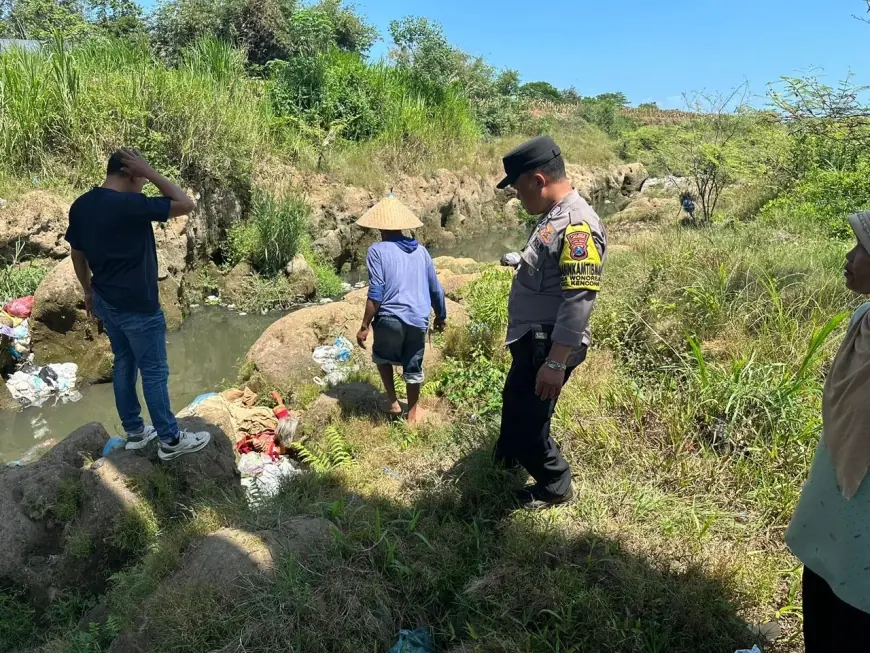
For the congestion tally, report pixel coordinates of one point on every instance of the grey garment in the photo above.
(537, 296)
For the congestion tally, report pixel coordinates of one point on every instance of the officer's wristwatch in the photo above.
(553, 365)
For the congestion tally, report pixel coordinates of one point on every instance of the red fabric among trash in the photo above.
(261, 443)
(20, 308)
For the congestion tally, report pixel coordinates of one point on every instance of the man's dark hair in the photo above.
(116, 164)
(554, 169)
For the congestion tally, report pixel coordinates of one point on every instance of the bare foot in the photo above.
(392, 409)
(416, 416)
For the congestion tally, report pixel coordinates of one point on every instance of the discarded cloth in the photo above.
(755, 649)
(246, 397)
(263, 443)
(244, 420)
(21, 307)
(334, 360)
(414, 641)
(33, 386)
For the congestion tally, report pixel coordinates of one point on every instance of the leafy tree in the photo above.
(648, 106)
(267, 29)
(541, 91)
(421, 48)
(40, 19)
(706, 147)
(117, 18)
(605, 111)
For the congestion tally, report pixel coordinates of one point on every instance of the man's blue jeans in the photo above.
(139, 345)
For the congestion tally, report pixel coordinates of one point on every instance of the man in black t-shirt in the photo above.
(115, 259)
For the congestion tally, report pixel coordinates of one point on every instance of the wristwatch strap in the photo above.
(553, 365)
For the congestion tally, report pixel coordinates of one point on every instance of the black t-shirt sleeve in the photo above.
(72, 236)
(147, 209)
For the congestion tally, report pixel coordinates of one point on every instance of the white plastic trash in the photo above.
(754, 649)
(39, 385)
(334, 360)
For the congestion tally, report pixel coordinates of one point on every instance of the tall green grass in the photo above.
(64, 108)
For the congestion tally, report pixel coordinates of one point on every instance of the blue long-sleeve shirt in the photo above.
(402, 280)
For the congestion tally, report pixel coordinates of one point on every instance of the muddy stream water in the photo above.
(204, 356)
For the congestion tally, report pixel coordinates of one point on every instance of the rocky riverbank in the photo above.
(453, 207)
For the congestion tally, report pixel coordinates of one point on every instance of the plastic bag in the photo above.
(414, 641)
(21, 307)
(333, 361)
(755, 649)
(112, 445)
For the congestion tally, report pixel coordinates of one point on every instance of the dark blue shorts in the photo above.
(400, 344)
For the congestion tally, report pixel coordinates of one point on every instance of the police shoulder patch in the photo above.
(580, 261)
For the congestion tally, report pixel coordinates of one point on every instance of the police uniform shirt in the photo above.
(559, 275)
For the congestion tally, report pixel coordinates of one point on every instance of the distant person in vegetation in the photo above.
(688, 204)
(830, 530)
(115, 258)
(553, 292)
(403, 288)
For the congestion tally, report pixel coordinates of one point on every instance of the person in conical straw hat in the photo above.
(403, 290)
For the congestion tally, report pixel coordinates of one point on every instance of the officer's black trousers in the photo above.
(525, 419)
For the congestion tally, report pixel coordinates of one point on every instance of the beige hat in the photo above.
(390, 215)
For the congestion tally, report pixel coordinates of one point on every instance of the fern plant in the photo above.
(336, 453)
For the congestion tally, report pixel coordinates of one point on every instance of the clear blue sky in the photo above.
(651, 51)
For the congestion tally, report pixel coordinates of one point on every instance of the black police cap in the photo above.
(528, 156)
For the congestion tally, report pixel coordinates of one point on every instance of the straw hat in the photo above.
(390, 215)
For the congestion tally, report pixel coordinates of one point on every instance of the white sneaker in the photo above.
(188, 442)
(141, 440)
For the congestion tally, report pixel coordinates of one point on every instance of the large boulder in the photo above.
(36, 503)
(61, 330)
(303, 281)
(174, 247)
(282, 355)
(36, 220)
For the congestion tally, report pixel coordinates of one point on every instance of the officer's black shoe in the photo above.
(537, 498)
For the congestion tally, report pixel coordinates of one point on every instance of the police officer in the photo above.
(558, 277)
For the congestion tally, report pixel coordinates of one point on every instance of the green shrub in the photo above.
(822, 200)
(329, 284)
(473, 385)
(18, 278)
(16, 620)
(272, 235)
(487, 301)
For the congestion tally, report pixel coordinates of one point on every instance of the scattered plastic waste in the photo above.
(113, 445)
(33, 454)
(414, 641)
(346, 287)
(326, 300)
(360, 284)
(262, 477)
(194, 305)
(20, 336)
(21, 307)
(242, 314)
(511, 259)
(754, 649)
(389, 472)
(3, 203)
(232, 307)
(33, 386)
(212, 300)
(334, 360)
